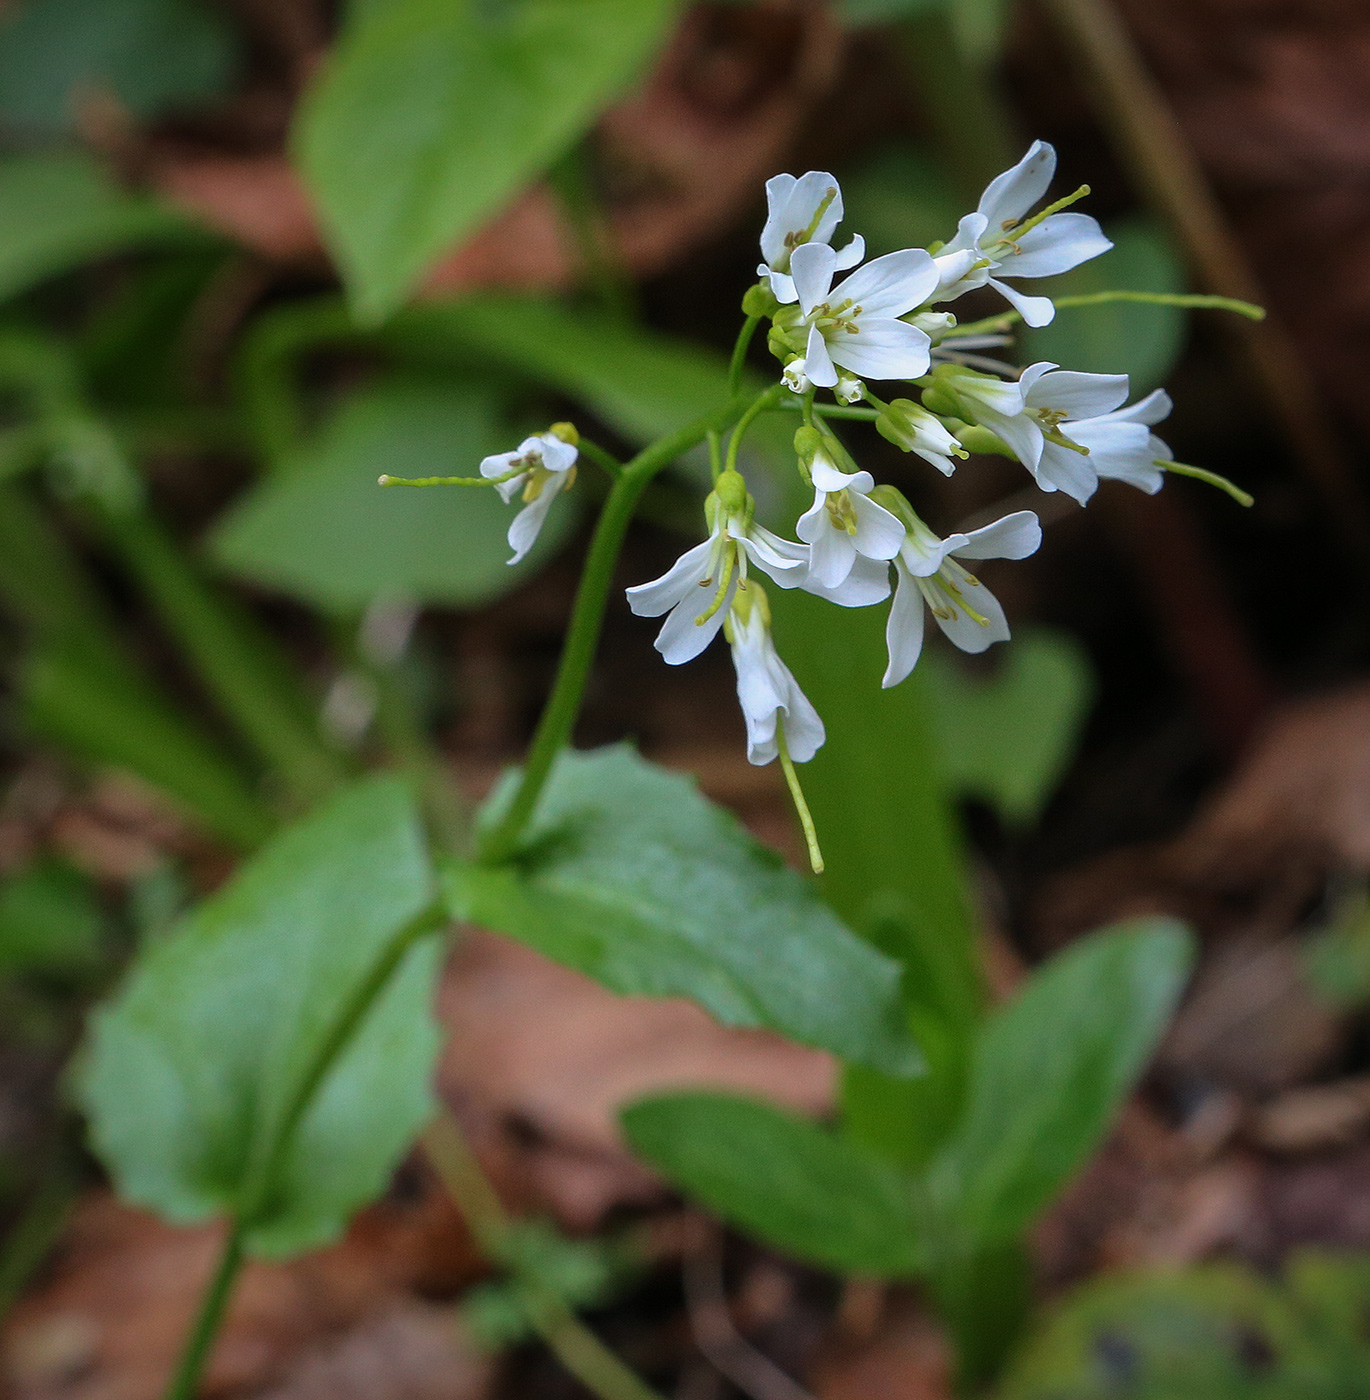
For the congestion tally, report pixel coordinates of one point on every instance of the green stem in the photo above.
(605, 461)
(573, 1344)
(587, 615)
(764, 400)
(1242, 498)
(1195, 301)
(212, 1308)
(739, 359)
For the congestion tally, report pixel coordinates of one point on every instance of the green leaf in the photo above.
(229, 1050)
(59, 211)
(629, 875)
(1008, 736)
(1051, 1070)
(1130, 338)
(152, 56)
(321, 529)
(50, 921)
(431, 113)
(800, 1187)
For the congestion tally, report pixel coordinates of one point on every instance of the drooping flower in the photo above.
(928, 572)
(700, 587)
(1122, 446)
(912, 428)
(856, 324)
(772, 703)
(799, 211)
(843, 523)
(542, 465)
(999, 240)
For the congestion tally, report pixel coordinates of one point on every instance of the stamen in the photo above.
(1020, 229)
(722, 593)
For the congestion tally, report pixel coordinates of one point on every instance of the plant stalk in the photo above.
(213, 1306)
(582, 637)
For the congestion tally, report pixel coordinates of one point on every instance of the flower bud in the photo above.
(912, 428)
(978, 439)
(849, 389)
(893, 501)
(566, 432)
(760, 300)
(731, 492)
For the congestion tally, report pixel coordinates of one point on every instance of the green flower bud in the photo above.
(566, 432)
(894, 501)
(731, 491)
(760, 300)
(978, 439)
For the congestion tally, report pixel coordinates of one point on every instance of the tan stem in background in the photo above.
(1153, 147)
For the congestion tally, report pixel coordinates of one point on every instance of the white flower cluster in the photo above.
(1069, 429)
(881, 322)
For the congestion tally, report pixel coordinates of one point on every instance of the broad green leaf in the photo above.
(1141, 341)
(50, 921)
(794, 1184)
(321, 529)
(895, 866)
(1052, 1068)
(628, 874)
(1007, 737)
(431, 113)
(59, 211)
(193, 1071)
(151, 56)
(642, 384)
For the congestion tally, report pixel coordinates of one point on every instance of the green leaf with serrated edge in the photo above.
(893, 851)
(191, 1071)
(321, 529)
(1006, 736)
(1051, 1070)
(430, 113)
(794, 1184)
(642, 384)
(150, 56)
(61, 210)
(1131, 338)
(628, 874)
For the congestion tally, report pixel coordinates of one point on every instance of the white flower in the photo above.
(549, 466)
(1122, 446)
(772, 702)
(856, 324)
(911, 427)
(843, 522)
(699, 588)
(804, 210)
(927, 571)
(985, 242)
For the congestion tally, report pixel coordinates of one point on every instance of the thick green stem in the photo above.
(739, 360)
(573, 1344)
(212, 1308)
(582, 637)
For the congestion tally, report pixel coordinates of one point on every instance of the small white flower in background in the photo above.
(912, 428)
(799, 211)
(700, 587)
(843, 523)
(772, 702)
(928, 572)
(856, 324)
(986, 244)
(548, 462)
(1122, 446)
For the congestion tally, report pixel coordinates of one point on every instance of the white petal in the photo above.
(831, 556)
(1009, 196)
(962, 629)
(818, 365)
(1056, 245)
(782, 285)
(509, 489)
(1060, 469)
(944, 464)
(826, 477)
(557, 456)
(500, 463)
(879, 534)
(891, 285)
(682, 638)
(868, 582)
(1020, 433)
(1030, 374)
(923, 552)
(851, 254)
(778, 190)
(969, 231)
(683, 577)
(812, 266)
(1036, 311)
(903, 629)
(1153, 409)
(1120, 450)
(1077, 393)
(523, 532)
(882, 349)
(1013, 537)
(814, 520)
(784, 561)
(804, 732)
